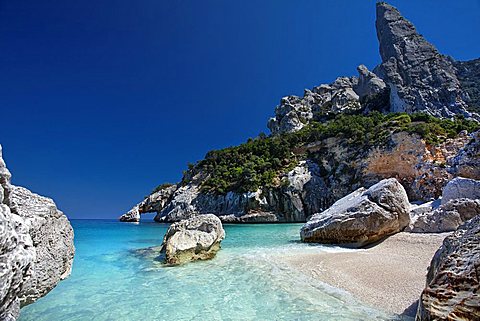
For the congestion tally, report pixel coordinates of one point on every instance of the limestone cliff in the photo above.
(321, 148)
(332, 168)
(36, 246)
(412, 77)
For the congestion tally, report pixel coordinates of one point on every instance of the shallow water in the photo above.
(112, 280)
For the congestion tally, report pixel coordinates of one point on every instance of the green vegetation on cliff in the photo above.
(260, 161)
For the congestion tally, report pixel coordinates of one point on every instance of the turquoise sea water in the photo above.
(112, 280)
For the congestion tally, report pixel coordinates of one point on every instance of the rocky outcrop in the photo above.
(468, 73)
(362, 217)
(460, 187)
(131, 216)
(197, 238)
(334, 169)
(466, 162)
(154, 202)
(17, 252)
(446, 218)
(419, 77)
(452, 289)
(52, 237)
(36, 246)
(344, 95)
(413, 77)
(298, 197)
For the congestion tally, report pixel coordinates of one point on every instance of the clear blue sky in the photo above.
(100, 101)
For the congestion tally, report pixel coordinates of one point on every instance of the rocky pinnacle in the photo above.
(419, 77)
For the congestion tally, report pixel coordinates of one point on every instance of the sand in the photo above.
(389, 276)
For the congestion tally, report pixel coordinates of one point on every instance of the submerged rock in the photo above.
(197, 238)
(452, 289)
(460, 187)
(362, 217)
(36, 246)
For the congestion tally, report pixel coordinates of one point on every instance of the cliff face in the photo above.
(36, 246)
(413, 77)
(334, 168)
(419, 77)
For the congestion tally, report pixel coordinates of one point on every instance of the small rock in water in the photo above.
(197, 238)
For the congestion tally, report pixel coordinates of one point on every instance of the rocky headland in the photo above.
(411, 118)
(395, 150)
(36, 246)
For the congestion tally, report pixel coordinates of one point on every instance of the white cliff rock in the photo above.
(52, 237)
(447, 217)
(467, 162)
(154, 202)
(460, 187)
(36, 246)
(17, 256)
(197, 238)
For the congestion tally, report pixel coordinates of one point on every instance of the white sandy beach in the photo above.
(389, 276)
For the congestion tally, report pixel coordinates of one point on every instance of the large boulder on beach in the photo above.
(445, 218)
(36, 246)
(362, 217)
(452, 290)
(460, 187)
(197, 238)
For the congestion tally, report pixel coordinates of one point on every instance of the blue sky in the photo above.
(100, 101)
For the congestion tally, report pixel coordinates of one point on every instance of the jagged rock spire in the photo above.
(419, 77)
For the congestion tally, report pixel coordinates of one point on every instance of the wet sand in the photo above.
(389, 276)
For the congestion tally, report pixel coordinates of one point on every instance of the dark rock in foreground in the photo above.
(453, 282)
(197, 238)
(362, 217)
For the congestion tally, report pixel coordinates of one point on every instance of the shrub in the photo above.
(259, 161)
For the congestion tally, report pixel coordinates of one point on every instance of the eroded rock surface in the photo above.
(419, 77)
(446, 218)
(452, 289)
(460, 187)
(197, 238)
(154, 202)
(362, 217)
(52, 237)
(344, 95)
(36, 246)
(467, 161)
